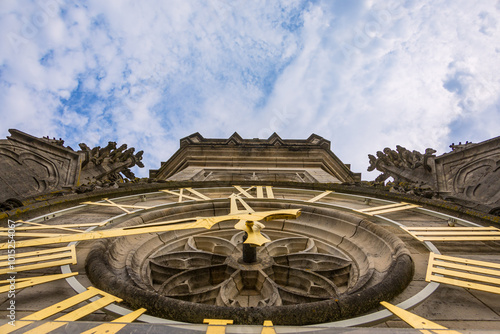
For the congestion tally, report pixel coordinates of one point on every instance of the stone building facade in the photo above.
(272, 159)
(263, 235)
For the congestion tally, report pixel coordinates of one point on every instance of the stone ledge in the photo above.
(51, 205)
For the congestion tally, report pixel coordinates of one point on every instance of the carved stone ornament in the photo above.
(468, 175)
(31, 166)
(236, 159)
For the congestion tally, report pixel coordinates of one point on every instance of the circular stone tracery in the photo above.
(209, 269)
(324, 266)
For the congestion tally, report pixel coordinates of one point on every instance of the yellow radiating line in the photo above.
(320, 196)
(37, 259)
(260, 192)
(67, 257)
(469, 238)
(197, 193)
(31, 281)
(467, 261)
(388, 206)
(244, 192)
(62, 305)
(130, 316)
(188, 223)
(453, 233)
(269, 191)
(58, 307)
(26, 228)
(447, 228)
(400, 208)
(74, 315)
(113, 327)
(33, 234)
(470, 279)
(120, 206)
(181, 194)
(45, 226)
(457, 233)
(117, 205)
(268, 328)
(46, 327)
(89, 308)
(216, 326)
(39, 252)
(7, 328)
(412, 319)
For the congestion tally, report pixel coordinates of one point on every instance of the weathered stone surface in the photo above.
(31, 166)
(238, 159)
(108, 164)
(301, 277)
(472, 174)
(469, 174)
(375, 259)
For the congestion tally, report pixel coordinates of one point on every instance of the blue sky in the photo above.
(363, 74)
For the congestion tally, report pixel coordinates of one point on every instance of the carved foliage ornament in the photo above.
(109, 163)
(404, 165)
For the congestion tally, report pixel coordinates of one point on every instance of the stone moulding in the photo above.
(31, 165)
(114, 272)
(235, 154)
(472, 174)
(50, 204)
(468, 175)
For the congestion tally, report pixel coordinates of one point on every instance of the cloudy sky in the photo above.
(363, 74)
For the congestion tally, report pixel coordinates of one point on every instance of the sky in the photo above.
(363, 74)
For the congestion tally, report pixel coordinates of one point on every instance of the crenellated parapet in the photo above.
(272, 159)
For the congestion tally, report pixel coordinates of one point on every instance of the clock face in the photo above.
(331, 263)
(321, 266)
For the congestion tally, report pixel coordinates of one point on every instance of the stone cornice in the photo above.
(236, 151)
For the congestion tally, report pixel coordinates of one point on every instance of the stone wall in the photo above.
(468, 175)
(238, 159)
(30, 165)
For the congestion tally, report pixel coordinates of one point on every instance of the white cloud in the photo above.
(363, 74)
(389, 90)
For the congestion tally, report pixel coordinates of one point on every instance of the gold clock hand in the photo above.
(254, 237)
(250, 224)
(180, 224)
